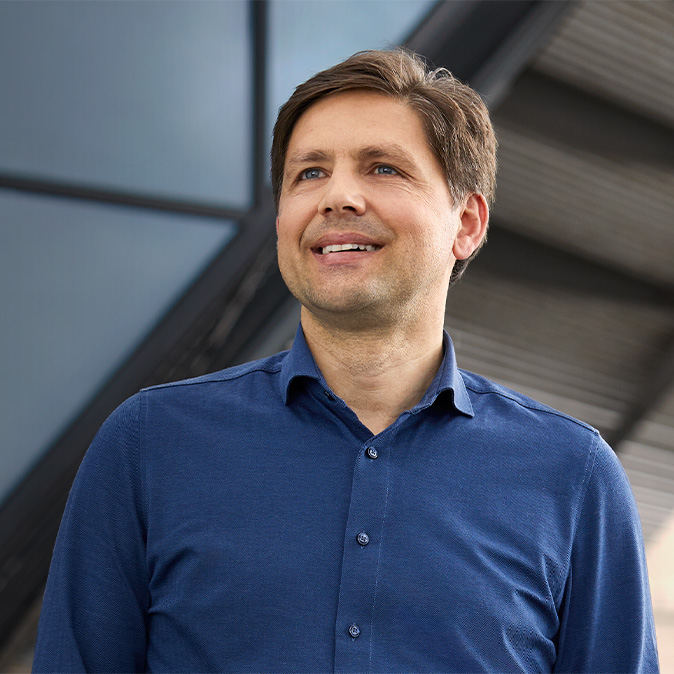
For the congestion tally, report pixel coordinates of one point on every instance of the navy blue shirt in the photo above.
(246, 521)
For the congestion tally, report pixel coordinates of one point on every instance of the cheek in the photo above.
(288, 234)
(284, 253)
(282, 236)
(293, 219)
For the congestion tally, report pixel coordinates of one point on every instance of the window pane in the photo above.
(147, 97)
(80, 286)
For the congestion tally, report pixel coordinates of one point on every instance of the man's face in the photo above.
(366, 224)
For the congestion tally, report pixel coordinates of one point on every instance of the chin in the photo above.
(356, 313)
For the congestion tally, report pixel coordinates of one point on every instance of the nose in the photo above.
(343, 195)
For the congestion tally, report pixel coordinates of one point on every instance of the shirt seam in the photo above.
(535, 408)
(585, 483)
(145, 505)
(231, 377)
(142, 460)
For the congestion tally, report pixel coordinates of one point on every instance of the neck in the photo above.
(379, 373)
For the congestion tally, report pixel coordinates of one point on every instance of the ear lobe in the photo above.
(474, 220)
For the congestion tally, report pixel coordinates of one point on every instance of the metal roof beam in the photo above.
(547, 108)
(658, 381)
(486, 43)
(522, 258)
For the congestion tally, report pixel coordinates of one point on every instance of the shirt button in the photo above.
(354, 631)
(371, 452)
(363, 538)
(328, 395)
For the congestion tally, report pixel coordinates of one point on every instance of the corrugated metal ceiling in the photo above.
(610, 211)
(623, 51)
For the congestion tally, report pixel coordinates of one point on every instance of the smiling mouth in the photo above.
(339, 247)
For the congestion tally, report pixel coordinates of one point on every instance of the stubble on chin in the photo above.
(356, 308)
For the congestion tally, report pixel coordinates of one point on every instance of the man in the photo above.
(357, 504)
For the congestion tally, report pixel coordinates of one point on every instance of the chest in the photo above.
(442, 563)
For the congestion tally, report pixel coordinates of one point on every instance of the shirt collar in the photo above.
(300, 363)
(448, 378)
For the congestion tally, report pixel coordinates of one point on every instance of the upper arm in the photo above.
(95, 604)
(606, 615)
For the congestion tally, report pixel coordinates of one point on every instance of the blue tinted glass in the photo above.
(80, 285)
(307, 36)
(141, 96)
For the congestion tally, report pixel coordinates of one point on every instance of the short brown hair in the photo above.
(456, 120)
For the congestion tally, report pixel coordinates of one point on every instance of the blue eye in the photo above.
(311, 174)
(385, 170)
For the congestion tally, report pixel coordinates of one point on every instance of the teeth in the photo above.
(337, 247)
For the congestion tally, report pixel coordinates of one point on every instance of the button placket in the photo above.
(360, 561)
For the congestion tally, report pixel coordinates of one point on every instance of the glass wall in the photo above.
(81, 284)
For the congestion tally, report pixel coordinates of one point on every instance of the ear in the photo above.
(474, 215)
(276, 225)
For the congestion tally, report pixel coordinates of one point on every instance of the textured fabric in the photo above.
(214, 527)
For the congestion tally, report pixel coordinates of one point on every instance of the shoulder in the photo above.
(237, 390)
(565, 456)
(255, 381)
(533, 434)
(495, 399)
(265, 368)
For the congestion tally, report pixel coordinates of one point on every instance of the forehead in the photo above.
(338, 122)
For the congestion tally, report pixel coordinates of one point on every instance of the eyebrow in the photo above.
(302, 158)
(391, 151)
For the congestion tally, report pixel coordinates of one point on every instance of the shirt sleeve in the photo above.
(606, 615)
(95, 604)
